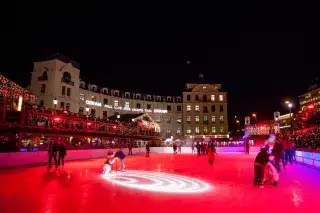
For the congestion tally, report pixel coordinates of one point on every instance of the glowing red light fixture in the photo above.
(310, 106)
(89, 124)
(56, 119)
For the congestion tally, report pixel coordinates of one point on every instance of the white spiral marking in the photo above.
(157, 181)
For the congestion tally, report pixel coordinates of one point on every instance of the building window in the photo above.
(43, 88)
(68, 106)
(179, 108)
(81, 96)
(196, 108)
(221, 129)
(105, 114)
(168, 130)
(221, 108)
(41, 102)
(138, 105)
(105, 101)
(179, 120)
(221, 119)
(188, 131)
(220, 97)
(205, 119)
(197, 119)
(81, 110)
(197, 130)
(212, 97)
(158, 119)
(68, 91)
(188, 98)
(188, 108)
(93, 112)
(116, 103)
(189, 119)
(169, 108)
(213, 129)
(148, 106)
(63, 90)
(61, 105)
(169, 120)
(205, 109)
(178, 131)
(213, 108)
(127, 105)
(204, 98)
(197, 98)
(213, 119)
(94, 98)
(205, 130)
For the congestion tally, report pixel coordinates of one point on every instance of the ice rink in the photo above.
(162, 183)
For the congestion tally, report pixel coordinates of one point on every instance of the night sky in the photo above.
(261, 53)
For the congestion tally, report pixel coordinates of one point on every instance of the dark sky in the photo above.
(261, 53)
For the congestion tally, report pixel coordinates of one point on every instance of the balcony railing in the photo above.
(67, 81)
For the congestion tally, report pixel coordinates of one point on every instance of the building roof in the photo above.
(58, 56)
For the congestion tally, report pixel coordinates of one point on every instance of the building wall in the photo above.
(170, 112)
(310, 97)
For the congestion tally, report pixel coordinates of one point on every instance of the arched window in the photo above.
(197, 98)
(66, 76)
(45, 75)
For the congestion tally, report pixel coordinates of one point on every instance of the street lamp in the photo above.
(55, 102)
(255, 117)
(290, 106)
(118, 116)
(237, 121)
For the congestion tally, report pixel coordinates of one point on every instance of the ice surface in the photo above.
(81, 189)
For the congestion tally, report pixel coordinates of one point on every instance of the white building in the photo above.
(59, 77)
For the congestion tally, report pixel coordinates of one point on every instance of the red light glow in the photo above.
(89, 124)
(311, 106)
(56, 119)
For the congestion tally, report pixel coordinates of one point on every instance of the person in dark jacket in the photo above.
(130, 148)
(147, 150)
(259, 163)
(52, 153)
(278, 153)
(174, 146)
(119, 154)
(62, 154)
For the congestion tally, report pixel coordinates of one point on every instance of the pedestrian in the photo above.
(247, 147)
(119, 154)
(174, 146)
(130, 148)
(147, 150)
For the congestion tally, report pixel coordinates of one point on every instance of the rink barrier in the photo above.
(308, 158)
(14, 159)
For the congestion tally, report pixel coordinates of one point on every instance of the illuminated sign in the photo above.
(93, 103)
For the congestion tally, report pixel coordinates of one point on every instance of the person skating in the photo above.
(119, 154)
(270, 174)
(278, 153)
(174, 146)
(259, 164)
(62, 154)
(147, 150)
(130, 148)
(107, 167)
(198, 147)
(52, 153)
(211, 152)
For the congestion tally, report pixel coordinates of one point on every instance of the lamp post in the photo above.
(255, 117)
(87, 110)
(290, 106)
(55, 102)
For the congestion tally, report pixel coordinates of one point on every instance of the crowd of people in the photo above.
(309, 138)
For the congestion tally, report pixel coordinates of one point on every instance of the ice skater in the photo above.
(62, 154)
(107, 167)
(271, 175)
(147, 150)
(211, 152)
(174, 146)
(119, 154)
(259, 164)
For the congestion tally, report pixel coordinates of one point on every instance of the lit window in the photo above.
(221, 129)
(205, 129)
(197, 129)
(127, 105)
(189, 131)
(212, 97)
(221, 118)
(168, 130)
(116, 103)
(158, 119)
(81, 96)
(213, 129)
(93, 98)
(188, 118)
(213, 119)
(204, 87)
(220, 97)
(196, 108)
(188, 108)
(205, 118)
(197, 118)
(178, 131)
(178, 120)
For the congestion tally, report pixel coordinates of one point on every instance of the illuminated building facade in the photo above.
(205, 112)
(310, 98)
(59, 77)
